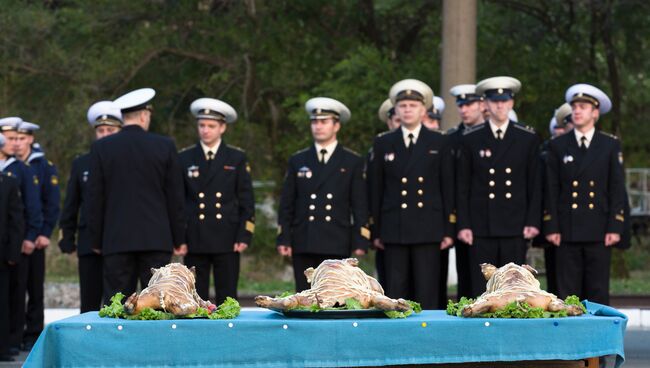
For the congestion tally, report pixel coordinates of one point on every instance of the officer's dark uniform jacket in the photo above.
(73, 224)
(412, 197)
(499, 186)
(12, 221)
(49, 188)
(324, 208)
(28, 183)
(585, 194)
(135, 193)
(219, 201)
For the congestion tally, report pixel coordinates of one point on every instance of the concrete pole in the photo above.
(458, 52)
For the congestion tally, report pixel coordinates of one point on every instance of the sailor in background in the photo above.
(470, 106)
(135, 198)
(30, 152)
(219, 201)
(323, 210)
(12, 226)
(412, 197)
(30, 193)
(499, 185)
(106, 119)
(585, 198)
(433, 117)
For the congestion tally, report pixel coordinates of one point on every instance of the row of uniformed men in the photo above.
(24, 162)
(482, 186)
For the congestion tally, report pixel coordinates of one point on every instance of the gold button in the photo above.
(404, 205)
(508, 170)
(575, 194)
(311, 218)
(591, 206)
(591, 183)
(420, 191)
(328, 219)
(218, 194)
(508, 183)
(313, 196)
(575, 183)
(491, 196)
(404, 193)
(312, 207)
(201, 216)
(592, 194)
(508, 195)
(420, 179)
(329, 196)
(574, 206)
(201, 195)
(218, 216)
(420, 204)
(491, 171)
(201, 205)
(218, 205)
(328, 207)
(491, 183)
(404, 180)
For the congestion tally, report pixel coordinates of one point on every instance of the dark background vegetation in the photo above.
(267, 57)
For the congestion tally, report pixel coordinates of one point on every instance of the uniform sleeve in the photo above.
(175, 196)
(534, 185)
(32, 198)
(15, 222)
(551, 192)
(286, 211)
(68, 221)
(359, 206)
(51, 200)
(96, 199)
(463, 182)
(617, 194)
(448, 189)
(375, 178)
(246, 200)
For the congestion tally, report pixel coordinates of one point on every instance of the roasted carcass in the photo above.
(332, 282)
(171, 289)
(514, 283)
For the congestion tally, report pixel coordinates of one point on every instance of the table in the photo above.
(263, 338)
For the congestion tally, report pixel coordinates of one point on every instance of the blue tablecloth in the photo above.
(268, 339)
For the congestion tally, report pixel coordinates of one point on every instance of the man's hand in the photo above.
(446, 242)
(181, 250)
(96, 250)
(554, 238)
(612, 239)
(28, 247)
(284, 250)
(359, 252)
(239, 247)
(530, 232)
(378, 244)
(42, 242)
(466, 236)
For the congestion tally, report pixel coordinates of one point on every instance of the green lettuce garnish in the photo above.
(514, 309)
(228, 310)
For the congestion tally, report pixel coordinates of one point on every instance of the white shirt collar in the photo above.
(329, 148)
(589, 135)
(213, 149)
(415, 132)
(503, 128)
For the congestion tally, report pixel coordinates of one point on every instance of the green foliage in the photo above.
(115, 309)
(515, 309)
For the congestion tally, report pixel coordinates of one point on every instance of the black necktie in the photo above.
(583, 143)
(499, 131)
(323, 152)
(411, 142)
(210, 157)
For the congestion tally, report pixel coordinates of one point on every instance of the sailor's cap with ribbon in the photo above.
(27, 127)
(465, 94)
(588, 93)
(498, 88)
(411, 89)
(104, 113)
(325, 107)
(136, 100)
(10, 123)
(386, 110)
(435, 112)
(563, 114)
